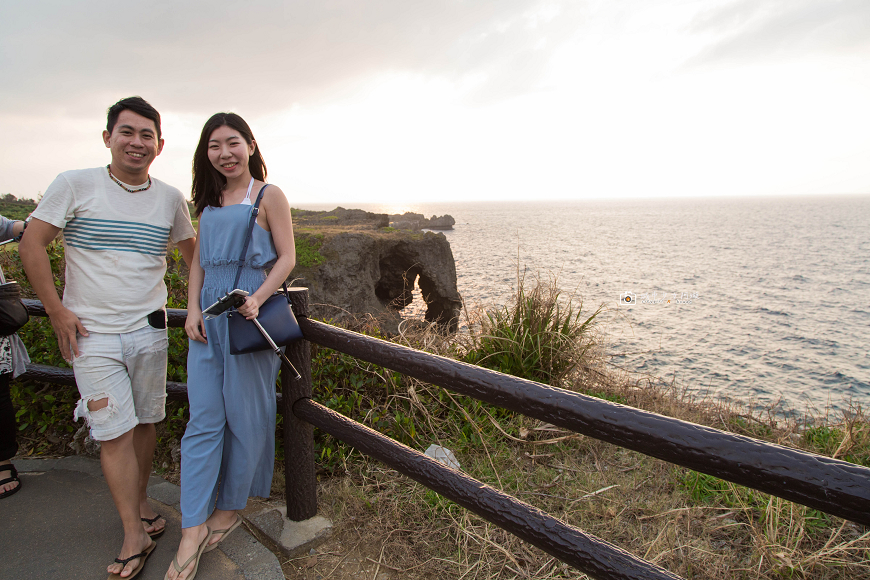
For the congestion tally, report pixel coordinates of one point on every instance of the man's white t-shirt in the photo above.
(115, 244)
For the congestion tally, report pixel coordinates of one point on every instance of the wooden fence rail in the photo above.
(830, 485)
(571, 545)
(836, 487)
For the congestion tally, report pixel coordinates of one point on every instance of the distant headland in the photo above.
(417, 221)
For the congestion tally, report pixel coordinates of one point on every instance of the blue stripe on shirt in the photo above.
(109, 235)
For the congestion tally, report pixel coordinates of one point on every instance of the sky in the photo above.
(402, 101)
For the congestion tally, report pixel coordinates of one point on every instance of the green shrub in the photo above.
(308, 250)
(10, 261)
(176, 280)
(43, 407)
(16, 209)
(540, 336)
(362, 391)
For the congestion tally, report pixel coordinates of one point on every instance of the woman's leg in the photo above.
(249, 440)
(8, 430)
(249, 443)
(201, 451)
(203, 442)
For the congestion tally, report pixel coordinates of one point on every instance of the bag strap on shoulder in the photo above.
(255, 210)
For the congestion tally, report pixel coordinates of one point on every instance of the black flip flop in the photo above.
(143, 556)
(156, 533)
(13, 476)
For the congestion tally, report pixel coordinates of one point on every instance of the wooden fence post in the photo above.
(300, 479)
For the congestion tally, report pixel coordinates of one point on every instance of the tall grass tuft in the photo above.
(541, 335)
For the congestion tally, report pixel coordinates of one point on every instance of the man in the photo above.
(111, 325)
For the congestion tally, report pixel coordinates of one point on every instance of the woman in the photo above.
(13, 358)
(228, 449)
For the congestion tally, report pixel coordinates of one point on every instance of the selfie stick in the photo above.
(277, 350)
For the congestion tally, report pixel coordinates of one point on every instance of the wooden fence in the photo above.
(830, 485)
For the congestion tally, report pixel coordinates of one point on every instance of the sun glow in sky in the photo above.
(403, 101)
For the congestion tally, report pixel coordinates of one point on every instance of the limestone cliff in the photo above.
(352, 266)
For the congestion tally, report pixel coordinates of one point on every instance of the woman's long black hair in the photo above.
(208, 182)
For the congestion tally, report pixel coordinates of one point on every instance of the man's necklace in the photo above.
(124, 187)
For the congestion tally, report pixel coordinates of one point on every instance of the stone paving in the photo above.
(63, 525)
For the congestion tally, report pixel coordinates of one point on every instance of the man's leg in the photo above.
(107, 405)
(144, 442)
(146, 364)
(121, 470)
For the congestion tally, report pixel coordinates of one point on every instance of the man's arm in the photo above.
(36, 264)
(186, 249)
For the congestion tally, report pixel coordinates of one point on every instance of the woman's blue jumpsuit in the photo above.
(229, 445)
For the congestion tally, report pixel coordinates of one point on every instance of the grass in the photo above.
(308, 250)
(540, 336)
(695, 525)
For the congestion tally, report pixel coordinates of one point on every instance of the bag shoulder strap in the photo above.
(255, 210)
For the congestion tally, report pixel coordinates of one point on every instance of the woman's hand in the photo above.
(251, 308)
(194, 326)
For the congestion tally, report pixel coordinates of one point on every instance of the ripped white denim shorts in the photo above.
(130, 370)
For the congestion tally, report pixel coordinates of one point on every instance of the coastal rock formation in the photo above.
(444, 222)
(374, 273)
(417, 221)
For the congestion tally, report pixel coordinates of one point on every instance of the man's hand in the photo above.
(65, 325)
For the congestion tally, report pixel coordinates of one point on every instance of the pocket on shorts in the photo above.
(158, 340)
(84, 346)
(157, 410)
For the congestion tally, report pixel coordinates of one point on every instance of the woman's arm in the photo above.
(10, 229)
(275, 209)
(194, 326)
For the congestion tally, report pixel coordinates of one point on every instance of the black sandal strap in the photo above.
(127, 560)
(152, 520)
(9, 480)
(10, 468)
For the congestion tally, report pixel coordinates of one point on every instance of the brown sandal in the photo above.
(225, 533)
(179, 568)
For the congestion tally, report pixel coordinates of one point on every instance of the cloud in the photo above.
(266, 54)
(758, 30)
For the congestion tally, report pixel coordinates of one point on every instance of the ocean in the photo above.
(763, 300)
